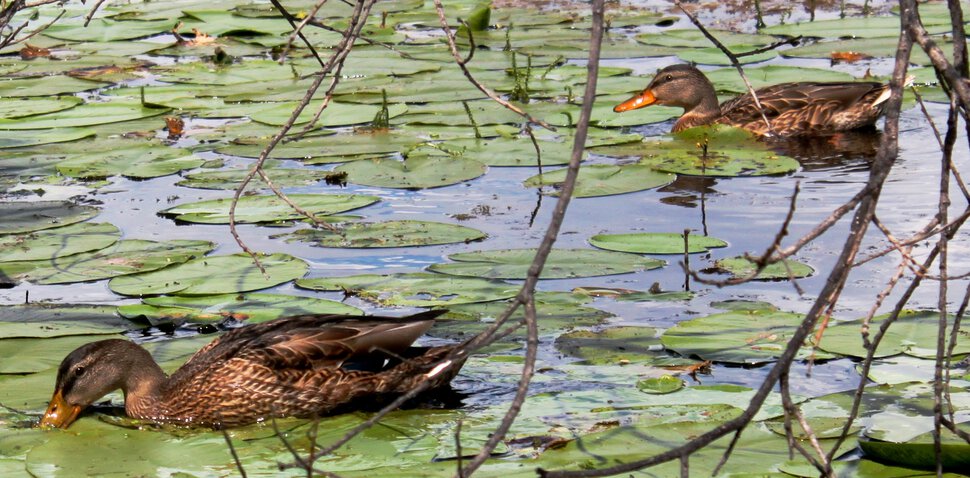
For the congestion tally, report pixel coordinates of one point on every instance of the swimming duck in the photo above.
(793, 109)
(301, 366)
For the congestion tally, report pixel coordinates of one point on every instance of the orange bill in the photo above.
(59, 413)
(639, 101)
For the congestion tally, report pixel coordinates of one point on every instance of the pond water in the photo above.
(746, 212)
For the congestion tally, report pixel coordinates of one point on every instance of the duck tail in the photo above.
(886, 91)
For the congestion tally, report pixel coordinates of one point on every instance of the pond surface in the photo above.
(569, 398)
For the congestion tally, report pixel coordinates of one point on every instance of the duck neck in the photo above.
(143, 386)
(702, 112)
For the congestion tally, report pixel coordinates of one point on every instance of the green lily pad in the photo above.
(516, 151)
(714, 56)
(882, 47)
(552, 317)
(84, 115)
(11, 108)
(266, 209)
(124, 257)
(693, 38)
(17, 139)
(58, 320)
(328, 149)
(213, 275)
(130, 158)
(906, 369)
(107, 30)
(561, 264)
(251, 308)
(415, 290)
(230, 178)
(412, 173)
(32, 355)
(57, 242)
(223, 23)
(389, 234)
(20, 217)
(784, 270)
(656, 242)
(46, 86)
(336, 114)
(730, 152)
(954, 455)
(913, 333)
(729, 81)
(660, 385)
(743, 336)
(616, 346)
(857, 27)
(631, 295)
(605, 180)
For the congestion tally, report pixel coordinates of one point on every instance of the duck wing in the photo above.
(809, 106)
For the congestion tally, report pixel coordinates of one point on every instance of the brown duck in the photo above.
(301, 366)
(793, 109)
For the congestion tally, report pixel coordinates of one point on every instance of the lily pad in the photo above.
(46, 86)
(660, 385)
(389, 234)
(853, 27)
(913, 333)
(616, 346)
(516, 151)
(106, 30)
(251, 308)
(267, 208)
(58, 320)
(412, 173)
(336, 114)
(415, 290)
(17, 139)
(328, 149)
(784, 270)
(552, 317)
(84, 115)
(561, 264)
(11, 108)
(656, 242)
(57, 242)
(19, 217)
(742, 336)
(605, 180)
(213, 275)
(131, 158)
(693, 38)
(32, 355)
(124, 257)
(230, 178)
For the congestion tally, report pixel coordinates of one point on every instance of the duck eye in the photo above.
(668, 78)
(78, 371)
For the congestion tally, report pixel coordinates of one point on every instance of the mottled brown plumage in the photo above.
(792, 109)
(299, 366)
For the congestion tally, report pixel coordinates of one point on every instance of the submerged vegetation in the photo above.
(170, 171)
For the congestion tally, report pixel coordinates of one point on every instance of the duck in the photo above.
(299, 366)
(792, 109)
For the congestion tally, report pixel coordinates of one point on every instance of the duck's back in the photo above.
(298, 366)
(808, 108)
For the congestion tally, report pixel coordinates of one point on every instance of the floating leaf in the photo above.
(124, 257)
(266, 209)
(57, 242)
(329, 149)
(954, 456)
(19, 107)
(130, 158)
(19, 217)
(913, 333)
(106, 30)
(728, 79)
(605, 180)
(251, 308)
(336, 114)
(230, 178)
(45, 86)
(84, 115)
(412, 173)
(517, 151)
(660, 385)
(744, 336)
(693, 38)
(856, 27)
(616, 346)
(213, 275)
(561, 264)
(58, 320)
(633, 295)
(784, 270)
(389, 234)
(552, 317)
(17, 139)
(416, 290)
(656, 242)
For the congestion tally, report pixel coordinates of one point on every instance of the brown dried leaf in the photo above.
(29, 52)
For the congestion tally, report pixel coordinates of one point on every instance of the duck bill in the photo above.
(639, 101)
(59, 413)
